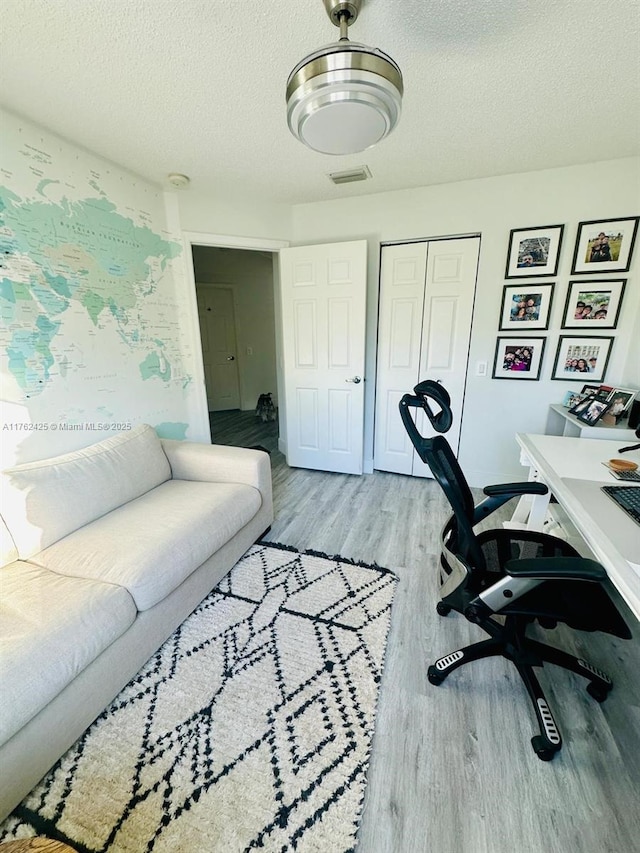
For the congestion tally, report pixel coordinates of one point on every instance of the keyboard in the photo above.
(627, 498)
(630, 476)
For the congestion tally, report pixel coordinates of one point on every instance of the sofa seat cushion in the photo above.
(44, 501)
(51, 628)
(150, 545)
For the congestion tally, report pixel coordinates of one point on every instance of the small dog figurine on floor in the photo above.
(265, 410)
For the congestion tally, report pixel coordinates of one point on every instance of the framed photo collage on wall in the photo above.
(590, 305)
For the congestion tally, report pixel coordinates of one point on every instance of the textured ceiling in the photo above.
(197, 86)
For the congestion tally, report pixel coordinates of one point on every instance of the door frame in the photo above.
(226, 241)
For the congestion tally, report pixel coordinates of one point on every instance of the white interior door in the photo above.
(440, 318)
(402, 278)
(323, 292)
(219, 351)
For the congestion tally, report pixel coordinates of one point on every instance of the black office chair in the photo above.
(519, 575)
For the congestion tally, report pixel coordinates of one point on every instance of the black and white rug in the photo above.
(249, 729)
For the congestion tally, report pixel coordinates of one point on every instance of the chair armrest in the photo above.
(556, 568)
(513, 489)
(217, 463)
(503, 492)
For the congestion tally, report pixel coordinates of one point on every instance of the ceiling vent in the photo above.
(360, 173)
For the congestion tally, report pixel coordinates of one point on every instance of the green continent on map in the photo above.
(172, 429)
(65, 260)
(155, 364)
(29, 355)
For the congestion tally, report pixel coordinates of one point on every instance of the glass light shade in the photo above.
(344, 98)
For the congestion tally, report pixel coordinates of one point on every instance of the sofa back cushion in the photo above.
(46, 500)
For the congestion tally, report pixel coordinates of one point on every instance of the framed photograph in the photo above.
(593, 411)
(579, 358)
(528, 307)
(518, 358)
(604, 245)
(590, 390)
(600, 391)
(580, 405)
(534, 252)
(621, 400)
(593, 305)
(572, 398)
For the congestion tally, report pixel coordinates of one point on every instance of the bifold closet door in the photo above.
(424, 326)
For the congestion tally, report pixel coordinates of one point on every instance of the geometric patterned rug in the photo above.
(250, 728)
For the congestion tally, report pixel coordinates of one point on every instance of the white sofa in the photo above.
(105, 551)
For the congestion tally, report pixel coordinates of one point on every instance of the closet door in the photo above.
(401, 309)
(443, 331)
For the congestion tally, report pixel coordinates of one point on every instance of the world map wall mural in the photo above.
(93, 334)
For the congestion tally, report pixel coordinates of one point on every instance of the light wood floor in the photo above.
(452, 769)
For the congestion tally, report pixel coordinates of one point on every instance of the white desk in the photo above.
(572, 469)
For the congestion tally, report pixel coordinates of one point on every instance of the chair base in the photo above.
(509, 641)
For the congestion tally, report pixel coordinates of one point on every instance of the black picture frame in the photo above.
(526, 307)
(598, 296)
(579, 348)
(508, 364)
(593, 411)
(621, 238)
(541, 244)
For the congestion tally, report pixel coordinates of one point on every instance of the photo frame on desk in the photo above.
(572, 398)
(593, 410)
(621, 400)
(579, 358)
(534, 251)
(604, 245)
(518, 358)
(593, 305)
(602, 392)
(527, 307)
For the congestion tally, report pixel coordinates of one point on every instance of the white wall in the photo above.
(494, 409)
(250, 277)
(234, 217)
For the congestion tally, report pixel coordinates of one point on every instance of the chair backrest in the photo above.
(436, 452)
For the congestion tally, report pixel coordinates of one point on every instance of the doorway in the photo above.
(235, 295)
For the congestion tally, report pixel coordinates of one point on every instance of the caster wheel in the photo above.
(434, 676)
(442, 609)
(541, 748)
(596, 692)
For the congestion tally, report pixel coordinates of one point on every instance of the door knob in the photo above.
(231, 358)
(355, 379)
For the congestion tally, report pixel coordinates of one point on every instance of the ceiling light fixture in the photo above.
(344, 97)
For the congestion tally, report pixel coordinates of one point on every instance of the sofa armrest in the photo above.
(217, 463)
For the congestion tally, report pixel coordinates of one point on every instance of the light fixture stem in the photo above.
(344, 16)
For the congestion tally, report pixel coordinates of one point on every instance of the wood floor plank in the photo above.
(452, 769)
